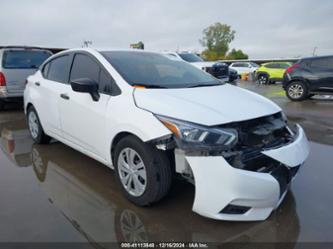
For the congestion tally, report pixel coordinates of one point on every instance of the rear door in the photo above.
(54, 81)
(18, 64)
(83, 120)
(283, 68)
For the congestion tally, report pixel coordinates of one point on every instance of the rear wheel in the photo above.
(297, 91)
(143, 171)
(2, 105)
(263, 79)
(35, 127)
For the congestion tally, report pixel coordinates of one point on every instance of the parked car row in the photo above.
(218, 69)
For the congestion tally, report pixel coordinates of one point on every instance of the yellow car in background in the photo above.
(271, 72)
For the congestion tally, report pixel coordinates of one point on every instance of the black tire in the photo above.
(39, 135)
(263, 79)
(2, 105)
(297, 91)
(157, 167)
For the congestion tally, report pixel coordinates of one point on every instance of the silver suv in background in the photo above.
(16, 64)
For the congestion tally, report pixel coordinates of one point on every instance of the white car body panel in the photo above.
(91, 127)
(213, 105)
(218, 184)
(241, 70)
(293, 154)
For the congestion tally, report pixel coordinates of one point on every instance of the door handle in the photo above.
(37, 83)
(64, 96)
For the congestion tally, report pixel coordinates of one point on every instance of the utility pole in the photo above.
(86, 43)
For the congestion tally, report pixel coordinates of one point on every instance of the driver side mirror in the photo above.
(86, 85)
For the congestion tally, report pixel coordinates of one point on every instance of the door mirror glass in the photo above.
(86, 85)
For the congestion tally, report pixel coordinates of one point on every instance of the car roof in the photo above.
(22, 47)
(101, 50)
(278, 62)
(317, 57)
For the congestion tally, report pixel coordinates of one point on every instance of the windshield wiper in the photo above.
(203, 85)
(152, 86)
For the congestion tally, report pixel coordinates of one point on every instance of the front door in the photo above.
(83, 120)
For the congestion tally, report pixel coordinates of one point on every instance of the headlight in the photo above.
(193, 136)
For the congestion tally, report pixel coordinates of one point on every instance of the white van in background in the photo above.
(16, 64)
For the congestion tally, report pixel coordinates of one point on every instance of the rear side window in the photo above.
(326, 63)
(284, 65)
(58, 69)
(272, 65)
(24, 59)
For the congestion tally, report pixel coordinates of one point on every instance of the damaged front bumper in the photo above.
(224, 192)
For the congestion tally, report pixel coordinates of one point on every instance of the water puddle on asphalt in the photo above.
(54, 193)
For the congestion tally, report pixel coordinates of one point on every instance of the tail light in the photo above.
(2, 79)
(292, 68)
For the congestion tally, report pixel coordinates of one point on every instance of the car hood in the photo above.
(212, 105)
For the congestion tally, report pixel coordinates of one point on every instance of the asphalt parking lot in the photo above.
(54, 193)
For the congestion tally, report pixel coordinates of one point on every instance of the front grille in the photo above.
(234, 209)
(264, 133)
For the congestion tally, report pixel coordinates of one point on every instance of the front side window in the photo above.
(157, 71)
(24, 59)
(85, 67)
(57, 69)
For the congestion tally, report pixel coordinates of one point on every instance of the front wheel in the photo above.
(297, 91)
(35, 127)
(143, 171)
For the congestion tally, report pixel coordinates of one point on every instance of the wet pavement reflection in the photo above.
(54, 193)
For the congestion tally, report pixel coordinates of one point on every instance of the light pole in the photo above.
(314, 51)
(86, 44)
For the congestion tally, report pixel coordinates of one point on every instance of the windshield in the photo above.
(190, 57)
(157, 71)
(20, 59)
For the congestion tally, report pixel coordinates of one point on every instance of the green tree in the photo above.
(237, 55)
(216, 40)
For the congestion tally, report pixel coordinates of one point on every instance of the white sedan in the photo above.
(244, 67)
(149, 118)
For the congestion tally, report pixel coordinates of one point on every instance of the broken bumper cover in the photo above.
(220, 186)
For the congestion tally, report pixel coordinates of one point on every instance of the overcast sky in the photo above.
(264, 28)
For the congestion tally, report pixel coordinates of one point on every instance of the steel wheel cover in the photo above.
(132, 172)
